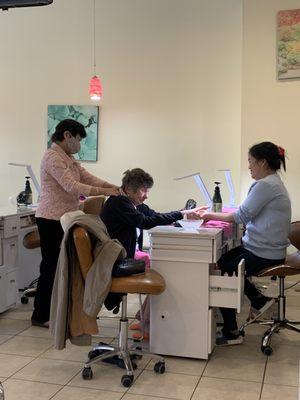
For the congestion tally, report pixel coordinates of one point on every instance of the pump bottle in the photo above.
(217, 199)
(28, 191)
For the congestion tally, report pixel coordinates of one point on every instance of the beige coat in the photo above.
(75, 303)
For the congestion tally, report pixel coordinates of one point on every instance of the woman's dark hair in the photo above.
(70, 125)
(136, 178)
(274, 155)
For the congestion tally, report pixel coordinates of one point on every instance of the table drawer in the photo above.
(227, 291)
(11, 226)
(182, 253)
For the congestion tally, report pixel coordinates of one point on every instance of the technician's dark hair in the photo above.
(69, 125)
(273, 154)
(136, 178)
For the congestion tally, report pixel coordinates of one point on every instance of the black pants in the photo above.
(228, 263)
(51, 234)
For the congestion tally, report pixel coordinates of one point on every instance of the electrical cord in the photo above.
(289, 287)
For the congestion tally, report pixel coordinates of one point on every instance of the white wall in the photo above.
(171, 72)
(270, 108)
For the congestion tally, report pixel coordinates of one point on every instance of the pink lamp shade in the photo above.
(95, 89)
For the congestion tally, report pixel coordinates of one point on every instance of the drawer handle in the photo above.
(12, 281)
(220, 289)
(13, 227)
(12, 245)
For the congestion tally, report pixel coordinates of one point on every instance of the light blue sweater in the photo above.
(266, 213)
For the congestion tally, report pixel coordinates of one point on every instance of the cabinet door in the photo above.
(2, 289)
(11, 288)
(10, 249)
(1, 252)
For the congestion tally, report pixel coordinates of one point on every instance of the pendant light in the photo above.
(95, 89)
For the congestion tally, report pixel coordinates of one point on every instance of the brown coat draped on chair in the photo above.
(76, 302)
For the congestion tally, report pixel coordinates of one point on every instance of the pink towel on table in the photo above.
(225, 226)
(142, 255)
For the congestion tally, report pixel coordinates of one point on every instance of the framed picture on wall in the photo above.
(88, 116)
(288, 44)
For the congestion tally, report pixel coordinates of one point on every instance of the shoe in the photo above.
(140, 336)
(40, 324)
(135, 327)
(256, 313)
(228, 340)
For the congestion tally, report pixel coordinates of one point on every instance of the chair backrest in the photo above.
(93, 205)
(294, 235)
(84, 249)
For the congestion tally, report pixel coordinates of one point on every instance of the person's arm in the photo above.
(92, 180)
(212, 216)
(60, 171)
(143, 218)
(260, 194)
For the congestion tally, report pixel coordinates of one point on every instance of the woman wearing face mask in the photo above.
(63, 180)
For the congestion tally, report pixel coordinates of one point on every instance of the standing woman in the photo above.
(266, 214)
(63, 180)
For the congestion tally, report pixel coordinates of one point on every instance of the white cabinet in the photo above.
(8, 288)
(12, 223)
(183, 311)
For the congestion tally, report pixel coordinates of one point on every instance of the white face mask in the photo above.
(73, 145)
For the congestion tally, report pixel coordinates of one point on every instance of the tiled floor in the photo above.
(31, 369)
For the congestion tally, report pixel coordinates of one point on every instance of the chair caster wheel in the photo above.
(159, 367)
(267, 350)
(87, 373)
(93, 354)
(24, 300)
(242, 332)
(127, 380)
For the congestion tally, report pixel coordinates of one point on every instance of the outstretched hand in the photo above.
(195, 213)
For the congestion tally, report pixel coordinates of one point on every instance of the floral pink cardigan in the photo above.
(63, 180)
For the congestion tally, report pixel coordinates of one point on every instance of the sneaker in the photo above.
(255, 313)
(228, 340)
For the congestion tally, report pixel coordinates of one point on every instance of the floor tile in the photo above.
(276, 392)
(75, 393)
(36, 331)
(180, 365)
(283, 353)
(9, 364)
(109, 322)
(249, 350)
(17, 313)
(105, 377)
(13, 326)
(4, 338)
(49, 371)
(224, 389)
(230, 368)
(70, 353)
(282, 374)
(24, 390)
(175, 386)
(129, 396)
(25, 346)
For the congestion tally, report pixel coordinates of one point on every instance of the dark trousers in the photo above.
(228, 263)
(51, 234)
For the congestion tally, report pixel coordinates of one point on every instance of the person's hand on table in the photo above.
(194, 213)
